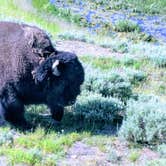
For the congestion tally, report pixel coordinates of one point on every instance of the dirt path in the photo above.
(82, 48)
(81, 154)
(119, 153)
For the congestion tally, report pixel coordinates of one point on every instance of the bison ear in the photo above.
(55, 70)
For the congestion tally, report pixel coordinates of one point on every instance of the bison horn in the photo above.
(55, 70)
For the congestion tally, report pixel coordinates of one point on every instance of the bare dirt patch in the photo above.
(82, 48)
(81, 154)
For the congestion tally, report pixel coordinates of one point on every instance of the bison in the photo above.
(34, 72)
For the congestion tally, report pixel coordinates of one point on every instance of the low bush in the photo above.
(73, 36)
(108, 84)
(156, 162)
(126, 26)
(94, 107)
(133, 61)
(135, 76)
(121, 47)
(158, 60)
(162, 150)
(145, 121)
(6, 137)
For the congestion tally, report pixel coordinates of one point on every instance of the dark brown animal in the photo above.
(25, 79)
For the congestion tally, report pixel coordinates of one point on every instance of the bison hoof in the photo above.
(3, 123)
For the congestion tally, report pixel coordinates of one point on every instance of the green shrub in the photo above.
(134, 156)
(108, 84)
(121, 47)
(162, 150)
(20, 156)
(36, 109)
(132, 60)
(145, 121)
(113, 157)
(73, 36)
(135, 76)
(94, 107)
(156, 162)
(126, 26)
(158, 60)
(6, 137)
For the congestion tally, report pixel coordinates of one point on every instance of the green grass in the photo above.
(9, 10)
(126, 26)
(45, 6)
(107, 63)
(34, 148)
(100, 62)
(17, 156)
(139, 6)
(157, 162)
(146, 6)
(134, 155)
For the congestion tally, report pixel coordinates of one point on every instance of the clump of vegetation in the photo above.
(6, 137)
(113, 157)
(75, 36)
(108, 84)
(134, 155)
(135, 76)
(157, 162)
(94, 107)
(158, 60)
(126, 26)
(64, 13)
(104, 63)
(17, 156)
(145, 121)
(162, 150)
(121, 47)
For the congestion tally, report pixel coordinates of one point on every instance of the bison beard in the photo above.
(26, 80)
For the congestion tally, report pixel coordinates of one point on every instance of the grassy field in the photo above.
(10, 11)
(128, 86)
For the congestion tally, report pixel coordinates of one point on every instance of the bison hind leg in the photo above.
(13, 110)
(2, 118)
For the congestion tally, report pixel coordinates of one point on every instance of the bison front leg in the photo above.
(57, 112)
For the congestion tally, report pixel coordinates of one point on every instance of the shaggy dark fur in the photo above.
(24, 80)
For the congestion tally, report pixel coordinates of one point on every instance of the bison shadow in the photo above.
(71, 123)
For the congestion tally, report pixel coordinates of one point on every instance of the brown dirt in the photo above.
(82, 48)
(81, 154)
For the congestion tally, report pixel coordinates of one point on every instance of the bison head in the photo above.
(61, 76)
